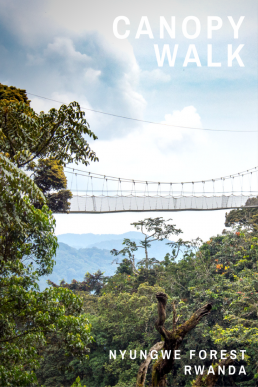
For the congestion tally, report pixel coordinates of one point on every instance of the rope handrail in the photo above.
(108, 194)
(99, 176)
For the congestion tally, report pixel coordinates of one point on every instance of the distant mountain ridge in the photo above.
(74, 264)
(108, 242)
(79, 253)
(85, 240)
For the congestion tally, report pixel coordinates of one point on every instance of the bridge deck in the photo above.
(111, 204)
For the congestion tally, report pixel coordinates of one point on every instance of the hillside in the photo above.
(73, 264)
(90, 252)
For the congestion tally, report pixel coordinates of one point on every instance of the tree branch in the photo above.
(175, 319)
(159, 324)
(172, 339)
(141, 376)
(43, 146)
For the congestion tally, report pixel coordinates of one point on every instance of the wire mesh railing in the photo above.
(104, 194)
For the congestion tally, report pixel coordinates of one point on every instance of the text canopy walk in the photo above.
(95, 193)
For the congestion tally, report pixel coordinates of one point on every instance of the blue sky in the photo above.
(67, 51)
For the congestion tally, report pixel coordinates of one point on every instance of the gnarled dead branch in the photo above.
(172, 340)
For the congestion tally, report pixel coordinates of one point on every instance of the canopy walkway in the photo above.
(107, 194)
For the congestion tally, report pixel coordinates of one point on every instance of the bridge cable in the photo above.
(149, 122)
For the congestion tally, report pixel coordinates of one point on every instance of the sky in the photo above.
(67, 51)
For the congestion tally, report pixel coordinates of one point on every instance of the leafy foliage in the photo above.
(30, 319)
(11, 93)
(244, 216)
(156, 229)
(92, 283)
(44, 142)
(49, 176)
(59, 134)
(26, 233)
(222, 271)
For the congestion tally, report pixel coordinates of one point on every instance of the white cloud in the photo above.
(155, 76)
(91, 75)
(176, 138)
(64, 48)
(120, 97)
(153, 152)
(90, 70)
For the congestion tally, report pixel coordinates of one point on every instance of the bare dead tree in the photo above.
(172, 341)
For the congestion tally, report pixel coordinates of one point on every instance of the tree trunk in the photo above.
(146, 254)
(141, 376)
(135, 272)
(172, 340)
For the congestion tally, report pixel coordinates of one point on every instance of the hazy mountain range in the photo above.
(81, 253)
(80, 241)
(158, 249)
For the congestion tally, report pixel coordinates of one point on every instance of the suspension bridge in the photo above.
(106, 194)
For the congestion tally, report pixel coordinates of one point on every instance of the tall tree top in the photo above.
(12, 93)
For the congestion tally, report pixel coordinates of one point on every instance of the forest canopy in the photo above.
(221, 272)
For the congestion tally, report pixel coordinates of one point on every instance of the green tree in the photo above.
(26, 136)
(49, 176)
(124, 267)
(236, 290)
(29, 319)
(12, 93)
(153, 229)
(43, 143)
(77, 383)
(91, 283)
(245, 216)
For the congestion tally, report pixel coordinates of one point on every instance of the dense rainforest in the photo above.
(123, 310)
(206, 301)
